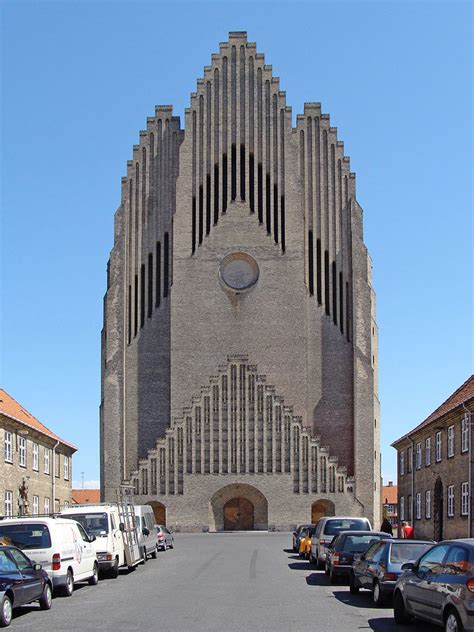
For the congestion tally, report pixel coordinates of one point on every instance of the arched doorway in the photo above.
(238, 515)
(321, 508)
(438, 511)
(160, 513)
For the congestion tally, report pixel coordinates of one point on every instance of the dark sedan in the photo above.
(21, 582)
(343, 548)
(381, 565)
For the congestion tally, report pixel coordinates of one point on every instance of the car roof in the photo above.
(468, 541)
(362, 532)
(344, 518)
(410, 541)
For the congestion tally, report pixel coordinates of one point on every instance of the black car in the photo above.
(343, 548)
(380, 567)
(21, 582)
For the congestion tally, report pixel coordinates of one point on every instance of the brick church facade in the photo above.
(239, 348)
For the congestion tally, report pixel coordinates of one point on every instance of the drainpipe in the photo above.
(412, 480)
(53, 483)
(469, 470)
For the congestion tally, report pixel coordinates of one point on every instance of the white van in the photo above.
(103, 522)
(145, 522)
(62, 547)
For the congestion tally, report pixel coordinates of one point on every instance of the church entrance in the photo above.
(238, 515)
(320, 509)
(160, 513)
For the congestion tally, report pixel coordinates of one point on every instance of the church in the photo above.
(240, 346)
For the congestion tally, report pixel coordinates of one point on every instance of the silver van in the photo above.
(327, 528)
(145, 522)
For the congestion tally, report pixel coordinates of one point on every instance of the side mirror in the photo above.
(294, 533)
(122, 526)
(92, 538)
(408, 566)
(37, 567)
(146, 531)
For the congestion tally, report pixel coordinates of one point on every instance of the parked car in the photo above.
(164, 538)
(380, 566)
(325, 531)
(61, 546)
(438, 587)
(296, 536)
(346, 545)
(145, 521)
(103, 523)
(21, 582)
(305, 541)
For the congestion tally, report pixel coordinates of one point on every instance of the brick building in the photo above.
(435, 470)
(36, 464)
(239, 348)
(390, 503)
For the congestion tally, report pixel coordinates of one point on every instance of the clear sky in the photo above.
(79, 80)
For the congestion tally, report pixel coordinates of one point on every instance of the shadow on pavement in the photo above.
(362, 600)
(288, 551)
(317, 579)
(387, 624)
(299, 566)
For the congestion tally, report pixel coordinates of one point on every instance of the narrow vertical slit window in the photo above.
(252, 183)
(347, 312)
(208, 203)
(233, 167)
(150, 285)
(135, 307)
(319, 279)
(201, 213)
(216, 193)
(260, 192)
(326, 282)
(310, 263)
(158, 274)
(282, 226)
(341, 303)
(166, 265)
(142, 295)
(334, 292)
(275, 213)
(268, 201)
(224, 183)
(242, 172)
(129, 315)
(193, 226)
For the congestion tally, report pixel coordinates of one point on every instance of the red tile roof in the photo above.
(389, 495)
(12, 409)
(85, 496)
(460, 396)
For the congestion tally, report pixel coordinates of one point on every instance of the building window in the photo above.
(465, 434)
(8, 504)
(464, 499)
(418, 456)
(47, 452)
(8, 447)
(409, 459)
(438, 446)
(402, 463)
(22, 451)
(66, 504)
(57, 464)
(46, 505)
(35, 505)
(451, 500)
(402, 507)
(35, 457)
(418, 506)
(450, 441)
(427, 451)
(66, 468)
(428, 504)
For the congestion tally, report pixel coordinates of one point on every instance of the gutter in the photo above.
(53, 482)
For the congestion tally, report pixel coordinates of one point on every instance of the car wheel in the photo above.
(453, 622)
(172, 544)
(153, 554)
(353, 587)
(378, 595)
(326, 569)
(114, 571)
(144, 555)
(94, 579)
(165, 546)
(399, 611)
(311, 558)
(332, 577)
(6, 612)
(68, 588)
(46, 598)
(319, 564)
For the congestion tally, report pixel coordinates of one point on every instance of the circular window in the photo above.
(238, 271)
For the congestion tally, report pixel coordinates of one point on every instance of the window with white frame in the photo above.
(451, 441)
(46, 505)
(35, 505)
(402, 462)
(66, 468)
(8, 447)
(450, 500)
(22, 451)
(428, 504)
(438, 446)
(8, 503)
(465, 434)
(418, 455)
(402, 507)
(47, 453)
(35, 457)
(464, 499)
(66, 504)
(427, 451)
(409, 459)
(418, 505)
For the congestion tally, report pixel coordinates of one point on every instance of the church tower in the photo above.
(239, 348)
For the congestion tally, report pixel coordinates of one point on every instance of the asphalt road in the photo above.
(225, 582)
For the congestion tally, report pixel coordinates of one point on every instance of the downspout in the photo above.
(412, 481)
(53, 482)
(469, 470)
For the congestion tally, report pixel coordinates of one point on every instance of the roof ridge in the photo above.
(453, 394)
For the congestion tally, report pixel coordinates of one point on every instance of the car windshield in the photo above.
(402, 552)
(25, 536)
(358, 543)
(334, 526)
(94, 523)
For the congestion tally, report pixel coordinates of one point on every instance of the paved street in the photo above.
(216, 582)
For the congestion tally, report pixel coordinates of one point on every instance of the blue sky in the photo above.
(79, 80)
